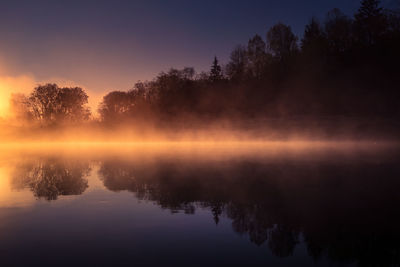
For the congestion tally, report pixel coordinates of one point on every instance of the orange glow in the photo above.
(10, 197)
(204, 149)
(24, 84)
(10, 85)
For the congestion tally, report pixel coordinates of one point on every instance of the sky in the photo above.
(109, 45)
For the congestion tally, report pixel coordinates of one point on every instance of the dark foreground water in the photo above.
(324, 208)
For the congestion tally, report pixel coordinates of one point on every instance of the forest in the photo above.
(341, 67)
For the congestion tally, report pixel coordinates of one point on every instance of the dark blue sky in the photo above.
(106, 45)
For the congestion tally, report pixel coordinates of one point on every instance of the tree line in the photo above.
(342, 66)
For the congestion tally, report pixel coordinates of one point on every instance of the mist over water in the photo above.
(287, 154)
(299, 204)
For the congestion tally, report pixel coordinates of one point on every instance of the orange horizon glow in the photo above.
(24, 84)
(232, 146)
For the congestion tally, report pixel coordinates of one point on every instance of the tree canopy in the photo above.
(342, 66)
(51, 104)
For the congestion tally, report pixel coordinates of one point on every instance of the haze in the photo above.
(103, 46)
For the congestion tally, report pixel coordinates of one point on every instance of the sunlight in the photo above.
(206, 149)
(4, 186)
(10, 85)
(10, 197)
(4, 105)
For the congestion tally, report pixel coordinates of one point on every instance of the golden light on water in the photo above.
(13, 155)
(200, 149)
(247, 145)
(10, 197)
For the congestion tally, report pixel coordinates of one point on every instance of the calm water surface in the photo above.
(327, 207)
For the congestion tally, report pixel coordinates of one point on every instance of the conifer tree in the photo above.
(216, 71)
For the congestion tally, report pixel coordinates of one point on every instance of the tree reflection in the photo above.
(279, 205)
(51, 178)
(282, 240)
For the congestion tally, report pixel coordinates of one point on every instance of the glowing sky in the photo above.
(108, 45)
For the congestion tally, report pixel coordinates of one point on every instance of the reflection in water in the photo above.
(51, 178)
(344, 211)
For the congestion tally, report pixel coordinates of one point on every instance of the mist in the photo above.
(337, 82)
(119, 146)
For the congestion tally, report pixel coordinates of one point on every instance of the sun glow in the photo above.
(11, 85)
(209, 148)
(24, 84)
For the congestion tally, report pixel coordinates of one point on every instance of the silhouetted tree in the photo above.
(71, 104)
(314, 38)
(236, 67)
(314, 50)
(52, 104)
(277, 78)
(142, 99)
(187, 73)
(281, 41)
(257, 56)
(393, 21)
(115, 106)
(216, 71)
(370, 22)
(43, 102)
(338, 28)
(175, 91)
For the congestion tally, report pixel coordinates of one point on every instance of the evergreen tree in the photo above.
(368, 9)
(370, 22)
(216, 71)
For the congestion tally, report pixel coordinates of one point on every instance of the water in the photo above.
(326, 206)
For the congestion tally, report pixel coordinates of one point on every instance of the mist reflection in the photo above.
(51, 178)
